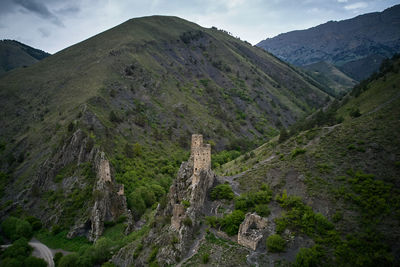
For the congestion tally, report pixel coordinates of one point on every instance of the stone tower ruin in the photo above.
(201, 155)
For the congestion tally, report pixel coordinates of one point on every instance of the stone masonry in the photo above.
(201, 155)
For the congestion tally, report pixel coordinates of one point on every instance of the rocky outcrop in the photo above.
(185, 207)
(251, 230)
(107, 202)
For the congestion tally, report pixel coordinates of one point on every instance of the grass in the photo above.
(60, 241)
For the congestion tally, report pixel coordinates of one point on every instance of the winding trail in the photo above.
(40, 250)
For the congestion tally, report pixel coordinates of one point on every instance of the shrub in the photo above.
(20, 248)
(205, 258)
(231, 222)
(298, 151)
(108, 264)
(308, 257)
(70, 260)
(34, 262)
(57, 258)
(262, 210)
(187, 222)
(15, 228)
(275, 243)
(222, 191)
(354, 113)
(23, 229)
(212, 221)
(185, 203)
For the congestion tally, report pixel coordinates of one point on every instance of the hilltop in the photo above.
(356, 46)
(14, 54)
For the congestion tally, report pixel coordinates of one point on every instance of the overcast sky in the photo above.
(52, 25)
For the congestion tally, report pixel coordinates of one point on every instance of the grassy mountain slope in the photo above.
(347, 173)
(137, 92)
(14, 54)
(363, 39)
(330, 76)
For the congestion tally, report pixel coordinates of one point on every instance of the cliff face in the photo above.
(82, 191)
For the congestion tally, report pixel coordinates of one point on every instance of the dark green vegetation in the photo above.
(360, 45)
(275, 243)
(18, 254)
(335, 177)
(14, 54)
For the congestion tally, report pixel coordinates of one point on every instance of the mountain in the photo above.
(14, 54)
(330, 76)
(353, 45)
(92, 136)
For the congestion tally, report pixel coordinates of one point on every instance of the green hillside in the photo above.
(14, 54)
(347, 173)
(336, 82)
(136, 92)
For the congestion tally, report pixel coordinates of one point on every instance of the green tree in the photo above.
(231, 222)
(34, 262)
(275, 243)
(222, 191)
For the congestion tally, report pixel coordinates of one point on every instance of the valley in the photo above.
(163, 143)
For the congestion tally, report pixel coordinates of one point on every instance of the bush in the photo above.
(20, 248)
(222, 191)
(11, 262)
(57, 258)
(23, 229)
(205, 258)
(34, 262)
(187, 222)
(231, 222)
(308, 257)
(70, 260)
(275, 243)
(298, 151)
(262, 210)
(15, 228)
(354, 113)
(248, 201)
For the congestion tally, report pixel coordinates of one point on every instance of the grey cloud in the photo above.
(68, 10)
(39, 9)
(44, 32)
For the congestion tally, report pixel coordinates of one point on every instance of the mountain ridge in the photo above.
(341, 42)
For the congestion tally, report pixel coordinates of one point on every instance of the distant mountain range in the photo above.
(14, 54)
(357, 46)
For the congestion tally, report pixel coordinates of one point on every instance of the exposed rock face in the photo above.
(251, 230)
(109, 202)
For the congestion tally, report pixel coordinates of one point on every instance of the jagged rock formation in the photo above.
(185, 206)
(110, 202)
(251, 230)
(194, 179)
(107, 202)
